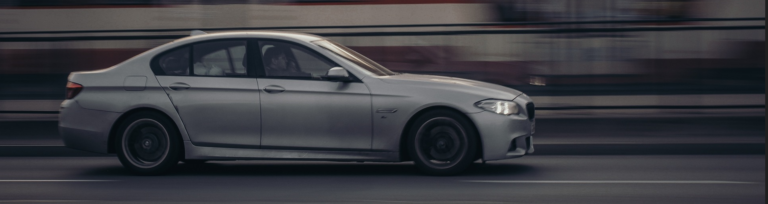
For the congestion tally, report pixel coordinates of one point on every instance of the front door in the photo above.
(302, 111)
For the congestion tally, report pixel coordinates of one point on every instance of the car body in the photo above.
(224, 102)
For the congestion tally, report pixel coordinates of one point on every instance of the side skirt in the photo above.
(228, 153)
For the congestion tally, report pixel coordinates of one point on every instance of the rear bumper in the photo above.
(85, 129)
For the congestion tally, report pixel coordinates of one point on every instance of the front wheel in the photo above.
(442, 143)
(148, 144)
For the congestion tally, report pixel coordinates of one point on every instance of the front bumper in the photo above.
(504, 137)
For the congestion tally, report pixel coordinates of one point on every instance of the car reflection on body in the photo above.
(287, 96)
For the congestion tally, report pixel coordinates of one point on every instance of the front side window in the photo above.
(220, 58)
(293, 61)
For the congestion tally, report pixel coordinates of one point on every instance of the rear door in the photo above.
(216, 98)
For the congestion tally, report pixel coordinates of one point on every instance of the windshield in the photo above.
(355, 57)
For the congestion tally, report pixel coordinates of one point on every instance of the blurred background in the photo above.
(575, 57)
(667, 96)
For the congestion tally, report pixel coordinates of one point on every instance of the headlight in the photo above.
(499, 107)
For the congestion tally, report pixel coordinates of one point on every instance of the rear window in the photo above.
(173, 63)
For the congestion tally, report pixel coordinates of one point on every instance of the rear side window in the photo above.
(173, 63)
(220, 58)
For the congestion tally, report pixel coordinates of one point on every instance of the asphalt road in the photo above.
(534, 179)
(644, 160)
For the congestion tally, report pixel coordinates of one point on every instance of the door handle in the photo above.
(386, 110)
(179, 86)
(274, 89)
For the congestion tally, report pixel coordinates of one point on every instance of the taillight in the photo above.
(73, 89)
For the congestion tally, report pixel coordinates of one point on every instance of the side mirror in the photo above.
(337, 74)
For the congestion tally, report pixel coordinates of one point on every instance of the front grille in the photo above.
(531, 111)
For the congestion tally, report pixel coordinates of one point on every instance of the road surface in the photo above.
(535, 179)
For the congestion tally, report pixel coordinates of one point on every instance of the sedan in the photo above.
(287, 96)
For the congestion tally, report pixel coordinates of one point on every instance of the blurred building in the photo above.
(543, 46)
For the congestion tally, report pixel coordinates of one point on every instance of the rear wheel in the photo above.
(148, 144)
(442, 143)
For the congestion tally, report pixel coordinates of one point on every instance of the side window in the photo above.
(174, 63)
(219, 58)
(294, 61)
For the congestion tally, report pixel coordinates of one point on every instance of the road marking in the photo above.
(32, 146)
(410, 201)
(46, 201)
(609, 182)
(56, 180)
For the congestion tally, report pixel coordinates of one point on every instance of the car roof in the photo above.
(252, 34)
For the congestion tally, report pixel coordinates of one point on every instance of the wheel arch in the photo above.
(403, 146)
(113, 130)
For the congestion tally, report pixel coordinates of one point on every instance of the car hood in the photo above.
(477, 87)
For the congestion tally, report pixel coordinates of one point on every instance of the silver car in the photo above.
(287, 96)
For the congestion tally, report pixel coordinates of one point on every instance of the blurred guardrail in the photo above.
(600, 106)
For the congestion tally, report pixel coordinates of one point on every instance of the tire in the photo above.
(442, 143)
(148, 143)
